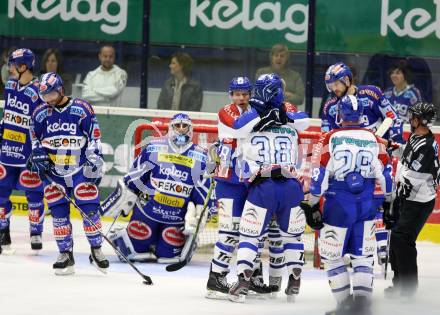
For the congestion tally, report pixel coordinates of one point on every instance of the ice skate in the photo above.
(64, 264)
(258, 289)
(293, 285)
(239, 290)
(98, 259)
(5, 242)
(217, 287)
(36, 242)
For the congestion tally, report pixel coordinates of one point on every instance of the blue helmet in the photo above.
(349, 109)
(177, 132)
(50, 82)
(22, 56)
(240, 84)
(339, 71)
(276, 94)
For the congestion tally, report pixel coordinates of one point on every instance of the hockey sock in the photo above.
(223, 251)
(363, 275)
(293, 251)
(338, 278)
(5, 207)
(36, 212)
(92, 231)
(247, 252)
(277, 259)
(62, 229)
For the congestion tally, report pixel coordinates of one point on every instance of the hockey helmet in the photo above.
(425, 111)
(51, 85)
(22, 56)
(180, 129)
(338, 72)
(349, 109)
(275, 85)
(240, 84)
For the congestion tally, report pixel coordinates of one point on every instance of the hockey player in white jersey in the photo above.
(346, 164)
(268, 141)
(231, 193)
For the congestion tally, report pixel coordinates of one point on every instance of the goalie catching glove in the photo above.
(313, 215)
(120, 201)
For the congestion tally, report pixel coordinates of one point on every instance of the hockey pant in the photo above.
(349, 228)
(86, 196)
(21, 179)
(272, 197)
(230, 201)
(144, 236)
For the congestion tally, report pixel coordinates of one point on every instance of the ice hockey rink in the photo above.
(29, 286)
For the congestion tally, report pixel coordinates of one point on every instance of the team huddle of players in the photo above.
(51, 149)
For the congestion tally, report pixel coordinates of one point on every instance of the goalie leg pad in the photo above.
(170, 242)
(142, 231)
(363, 275)
(122, 241)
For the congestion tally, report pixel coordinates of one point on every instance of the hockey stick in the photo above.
(147, 279)
(387, 255)
(185, 258)
(113, 223)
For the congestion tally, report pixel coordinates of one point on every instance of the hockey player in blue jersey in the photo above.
(378, 116)
(66, 151)
(170, 171)
(231, 193)
(267, 142)
(21, 99)
(346, 165)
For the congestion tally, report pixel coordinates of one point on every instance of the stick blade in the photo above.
(176, 266)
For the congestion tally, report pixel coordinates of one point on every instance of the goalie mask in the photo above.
(180, 130)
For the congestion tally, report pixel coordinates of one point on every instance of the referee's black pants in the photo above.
(403, 252)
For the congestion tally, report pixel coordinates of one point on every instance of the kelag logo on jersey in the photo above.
(173, 172)
(71, 128)
(14, 103)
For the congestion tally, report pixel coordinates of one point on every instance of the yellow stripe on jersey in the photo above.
(169, 200)
(63, 159)
(14, 136)
(176, 159)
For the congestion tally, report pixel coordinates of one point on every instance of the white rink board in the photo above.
(28, 286)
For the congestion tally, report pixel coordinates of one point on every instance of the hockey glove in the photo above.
(120, 201)
(93, 168)
(391, 214)
(39, 162)
(313, 215)
(192, 216)
(270, 119)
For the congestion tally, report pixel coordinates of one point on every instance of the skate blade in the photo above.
(36, 246)
(274, 295)
(291, 298)
(7, 250)
(258, 296)
(65, 271)
(103, 270)
(215, 295)
(241, 298)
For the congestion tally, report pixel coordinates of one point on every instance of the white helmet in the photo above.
(180, 130)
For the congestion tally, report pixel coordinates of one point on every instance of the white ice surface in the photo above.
(29, 286)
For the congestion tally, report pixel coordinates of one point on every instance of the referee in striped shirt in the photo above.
(417, 177)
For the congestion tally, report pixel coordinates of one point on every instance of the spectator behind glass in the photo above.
(5, 68)
(402, 95)
(279, 56)
(181, 92)
(104, 85)
(52, 62)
